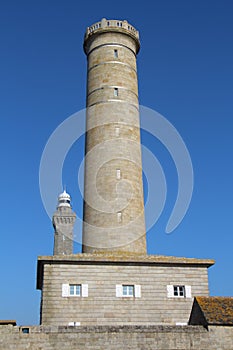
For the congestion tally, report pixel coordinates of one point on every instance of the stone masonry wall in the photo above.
(103, 307)
(114, 338)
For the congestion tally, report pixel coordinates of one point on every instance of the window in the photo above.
(74, 290)
(179, 291)
(116, 92)
(118, 174)
(116, 53)
(64, 201)
(25, 330)
(128, 290)
(73, 324)
(117, 131)
(119, 216)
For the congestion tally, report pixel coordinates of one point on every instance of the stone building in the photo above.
(114, 295)
(113, 281)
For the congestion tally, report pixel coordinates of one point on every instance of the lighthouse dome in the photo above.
(64, 200)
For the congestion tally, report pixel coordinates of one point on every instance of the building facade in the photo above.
(102, 289)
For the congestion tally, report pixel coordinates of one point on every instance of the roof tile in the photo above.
(217, 310)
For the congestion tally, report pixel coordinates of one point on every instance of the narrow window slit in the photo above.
(117, 131)
(119, 216)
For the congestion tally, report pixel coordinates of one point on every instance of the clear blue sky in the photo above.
(185, 70)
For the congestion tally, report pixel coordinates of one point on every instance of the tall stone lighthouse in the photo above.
(113, 282)
(113, 193)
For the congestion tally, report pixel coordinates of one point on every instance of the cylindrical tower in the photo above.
(113, 190)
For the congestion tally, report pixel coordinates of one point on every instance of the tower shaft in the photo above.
(113, 189)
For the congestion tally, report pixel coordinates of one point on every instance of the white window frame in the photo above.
(118, 174)
(77, 288)
(117, 131)
(119, 217)
(128, 290)
(66, 290)
(136, 290)
(179, 291)
(116, 92)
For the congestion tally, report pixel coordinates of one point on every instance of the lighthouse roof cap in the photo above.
(64, 194)
(64, 200)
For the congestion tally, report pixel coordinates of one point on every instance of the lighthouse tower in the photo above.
(113, 282)
(63, 223)
(113, 192)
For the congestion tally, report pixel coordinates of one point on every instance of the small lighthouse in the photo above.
(63, 223)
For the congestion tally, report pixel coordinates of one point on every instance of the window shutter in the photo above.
(188, 293)
(84, 290)
(65, 290)
(170, 293)
(137, 291)
(119, 290)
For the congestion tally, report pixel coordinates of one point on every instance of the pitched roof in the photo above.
(216, 310)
